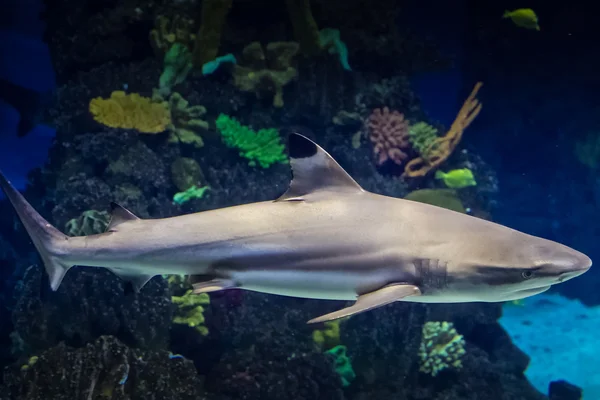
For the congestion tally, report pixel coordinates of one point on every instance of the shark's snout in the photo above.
(570, 263)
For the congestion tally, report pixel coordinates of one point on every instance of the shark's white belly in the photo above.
(328, 285)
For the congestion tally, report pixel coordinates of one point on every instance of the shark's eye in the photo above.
(527, 274)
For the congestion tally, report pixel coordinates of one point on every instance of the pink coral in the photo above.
(388, 132)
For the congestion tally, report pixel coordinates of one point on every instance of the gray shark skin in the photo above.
(325, 238)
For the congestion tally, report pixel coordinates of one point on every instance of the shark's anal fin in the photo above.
(214, 285)
(137, 280)
(370, 301)
(315, 170)
(119, 215)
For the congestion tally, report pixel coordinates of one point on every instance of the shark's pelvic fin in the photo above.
(49, 241)
(214, 285)
(370, 301)
(119, 215)
(315, 170)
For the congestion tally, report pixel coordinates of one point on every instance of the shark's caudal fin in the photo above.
(49, 241)
(315, 170)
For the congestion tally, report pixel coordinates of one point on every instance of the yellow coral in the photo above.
(131, 111)
(328, 337)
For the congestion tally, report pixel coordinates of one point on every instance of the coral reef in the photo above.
(104, 368)
(147, 69)
(89, 303)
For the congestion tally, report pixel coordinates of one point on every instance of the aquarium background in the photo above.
(534, 151)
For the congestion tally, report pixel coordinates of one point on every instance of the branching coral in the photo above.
(190, 310)
(306, 30)
(177, 65)
(266, 73)
(441, 148)
(168, 31)
(131, 111)
(441, 347)
(214, 15)
(186, 121)
(388, 132)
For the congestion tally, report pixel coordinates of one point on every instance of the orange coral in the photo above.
(389, 135)
(441, 148)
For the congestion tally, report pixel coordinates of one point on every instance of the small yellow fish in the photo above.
(457, 178)
(523, 17)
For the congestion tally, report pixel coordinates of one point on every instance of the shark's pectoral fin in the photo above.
(137, 280)
(315, 170)
(370, 301)
(119, 215)
(214, 285)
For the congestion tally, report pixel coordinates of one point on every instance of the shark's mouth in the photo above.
(532, 291)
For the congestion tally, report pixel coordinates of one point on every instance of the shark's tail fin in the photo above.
(49, 241)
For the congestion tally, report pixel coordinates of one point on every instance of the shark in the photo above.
(324, 238)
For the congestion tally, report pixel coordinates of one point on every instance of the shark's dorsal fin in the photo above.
(315, 170)
(119, 214)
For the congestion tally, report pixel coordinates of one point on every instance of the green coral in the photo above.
(185, 120)
(342, 364)
(90, 222)
(441, 347)
(421, 136)
(190, 310)
(330, 40)
(193, 192)
(262, 148)
(177, 66)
